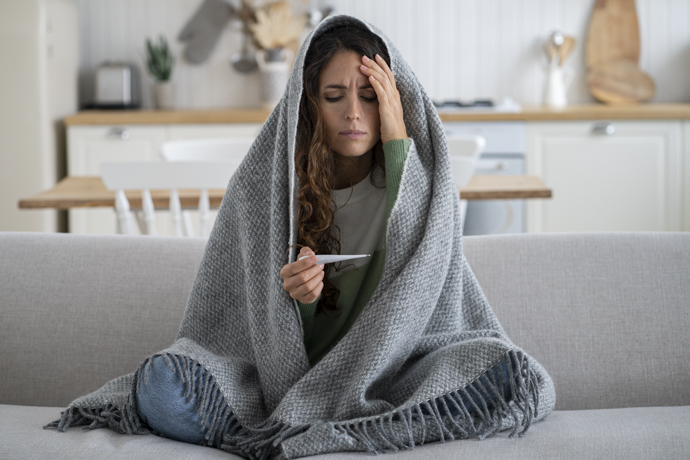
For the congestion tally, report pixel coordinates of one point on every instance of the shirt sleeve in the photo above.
(395, 153)
(306, 311)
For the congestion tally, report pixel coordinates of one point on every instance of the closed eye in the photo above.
(333, 99)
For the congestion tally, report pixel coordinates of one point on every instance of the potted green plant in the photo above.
(160, 63)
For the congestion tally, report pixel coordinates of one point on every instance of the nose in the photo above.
(354, 109)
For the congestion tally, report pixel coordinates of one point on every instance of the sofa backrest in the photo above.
(607, 314)
(79, 310)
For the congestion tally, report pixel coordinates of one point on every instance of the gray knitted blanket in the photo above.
(423, 345)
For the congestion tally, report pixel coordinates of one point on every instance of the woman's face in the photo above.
(348, 102)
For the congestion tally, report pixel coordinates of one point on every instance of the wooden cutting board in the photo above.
(613, 33)
(620, 82)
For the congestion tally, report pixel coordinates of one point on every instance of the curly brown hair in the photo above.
(315, 161)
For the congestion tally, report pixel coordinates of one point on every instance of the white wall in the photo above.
(464, 49)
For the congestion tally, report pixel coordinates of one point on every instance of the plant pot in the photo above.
(164, 94)
(274, 68)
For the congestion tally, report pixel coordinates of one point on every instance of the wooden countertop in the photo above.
(89, 191)
(254, 115)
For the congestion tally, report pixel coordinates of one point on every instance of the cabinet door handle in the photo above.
(491, 165)
(603, 129)
(117, 131)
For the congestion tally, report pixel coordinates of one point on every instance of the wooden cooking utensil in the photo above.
(551, 50)
(566, 49)
(620, 82)
(613, 33)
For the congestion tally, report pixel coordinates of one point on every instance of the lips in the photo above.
(353, 133)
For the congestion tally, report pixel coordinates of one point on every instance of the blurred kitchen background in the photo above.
(467, 49)
(461, 50)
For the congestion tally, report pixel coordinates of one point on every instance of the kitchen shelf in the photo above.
(255, 115)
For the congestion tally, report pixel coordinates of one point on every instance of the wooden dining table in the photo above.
(90, 192)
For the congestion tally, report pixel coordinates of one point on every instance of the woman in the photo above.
(277, 359)
(351, 147)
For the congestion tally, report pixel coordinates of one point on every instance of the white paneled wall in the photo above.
(459, 49)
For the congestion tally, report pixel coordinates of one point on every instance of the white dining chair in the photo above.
(464, 152)
(205, 149)
(147, 176)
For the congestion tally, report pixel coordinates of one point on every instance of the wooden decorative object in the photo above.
(613, 33)
(620, 82)
(612, 54)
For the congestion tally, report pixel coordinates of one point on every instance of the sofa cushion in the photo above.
(640, 433)
(23, 437)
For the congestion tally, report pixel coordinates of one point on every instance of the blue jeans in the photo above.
(162, 405)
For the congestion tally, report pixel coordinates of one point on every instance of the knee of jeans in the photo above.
(159, 375)
(161, 388)
(164, 382)
(162, 404)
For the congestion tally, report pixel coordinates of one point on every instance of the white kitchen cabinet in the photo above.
(90, 145)
(607, 176)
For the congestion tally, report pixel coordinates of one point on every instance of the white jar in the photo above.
(274, 67)
(558, 80)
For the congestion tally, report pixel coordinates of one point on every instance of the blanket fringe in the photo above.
(426, 421)
(124, 420)
(433, 417)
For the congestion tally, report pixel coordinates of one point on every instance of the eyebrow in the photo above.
(368, 85)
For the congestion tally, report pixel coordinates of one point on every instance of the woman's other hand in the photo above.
(303, 279)
(390, 108)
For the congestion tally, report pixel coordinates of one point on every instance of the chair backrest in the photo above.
(146, 176)
(206, 149)
(141, 175)
(464, 152)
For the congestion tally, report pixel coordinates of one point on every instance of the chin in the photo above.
(353, 150)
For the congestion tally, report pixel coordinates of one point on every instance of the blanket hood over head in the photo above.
(410, 367)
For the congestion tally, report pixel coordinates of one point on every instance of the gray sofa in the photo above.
(607, 314)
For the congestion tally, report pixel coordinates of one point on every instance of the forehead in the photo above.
(341, 70)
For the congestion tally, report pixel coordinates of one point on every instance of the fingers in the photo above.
(381, 92)
(304, 282)
(302, 292)
(382, 63)
(312, 295)
(303, 279)
(380, 71)
(299, 265)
